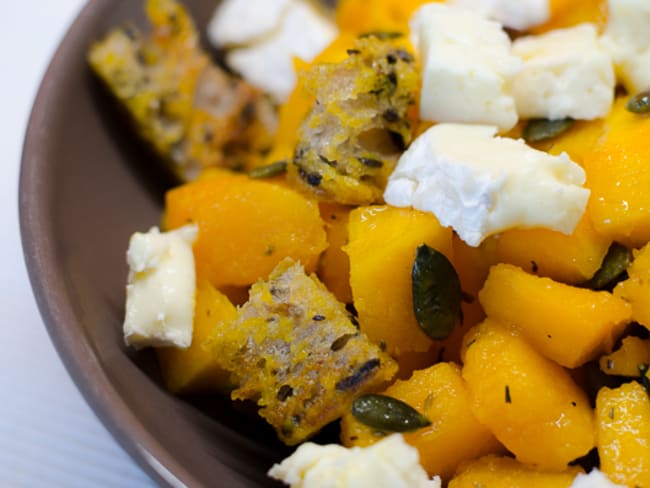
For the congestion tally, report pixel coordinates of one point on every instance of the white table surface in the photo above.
(49, 437)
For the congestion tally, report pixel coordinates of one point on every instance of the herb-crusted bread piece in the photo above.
(350, 141)
(193, 113)
(295, 350)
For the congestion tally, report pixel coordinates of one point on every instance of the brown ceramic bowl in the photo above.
(86, 185)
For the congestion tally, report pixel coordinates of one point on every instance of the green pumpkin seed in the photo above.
(639, 104)
(616, 261)
(387, 414)
(269, 171)
(436, 293)
(542, 129)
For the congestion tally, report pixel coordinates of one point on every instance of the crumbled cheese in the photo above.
(566, 73)
(481, 185)
(160, 289)
(242, 22)
(467, 67)
(595, 479)
(516, 14)
(627, 37)
(390, 463)
(268, 62)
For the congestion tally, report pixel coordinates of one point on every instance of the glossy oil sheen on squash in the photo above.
(625, 361)
(623, 420)
(334, 264)
(531, 404)
(567, 258)
(454, 436)
(382, 246)
(567, 324)
(636, 289)
(246, 227)
(505, 472)
(618, 178)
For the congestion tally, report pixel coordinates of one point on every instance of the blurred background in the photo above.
(49, 437)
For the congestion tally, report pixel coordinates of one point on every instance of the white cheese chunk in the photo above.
(268, 64)
(160, 289)
(480, 185)
(390, 463)
(566, 73)
(516, 14)
(242, 22)
(467, 67)
(595, 479)
(627, 37)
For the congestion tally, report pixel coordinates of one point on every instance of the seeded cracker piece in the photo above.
(350, 141)
(194, 114)
(295, 350)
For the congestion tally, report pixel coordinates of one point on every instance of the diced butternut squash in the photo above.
(382, 246)
(577, 142)
(636, 289)
(567, 324)
(544, 252)
(334, 266)
(246, 227)
(196, 369)
(530, 404)
(454, 436)
(360, 16)
(623, 420)
(625, 361)
(567, 13)
(618, 176)
(506, 472)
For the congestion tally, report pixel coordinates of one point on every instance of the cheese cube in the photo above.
(242, 22)
(516, 14)
(303, 32)
(160, 289)
(566, 73)
(481, 185)
(627, 37)
(467, 67)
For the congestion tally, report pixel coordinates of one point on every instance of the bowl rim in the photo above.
(76, 354)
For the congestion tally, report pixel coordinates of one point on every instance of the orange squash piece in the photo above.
(623, 420)
(382, 245)
(334, 265)
(246, 227)
(454, 436)
(636, 289)
(566, 324)
(567, 13)
(544, 252)
(505, 472)
(625, 361)
(618, 176)
(195, 369)
(531, 404)
(361, 16)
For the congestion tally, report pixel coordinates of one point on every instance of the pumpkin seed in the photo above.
(542, 129)
(387, 414)
(269, 171)
(436, 293)
(616, 261)
(640, 103)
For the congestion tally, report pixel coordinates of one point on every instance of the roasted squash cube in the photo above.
(531, 404)
(246, 227)
(623, 421)
(196, 369)
(567, 324)
(454, 436)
